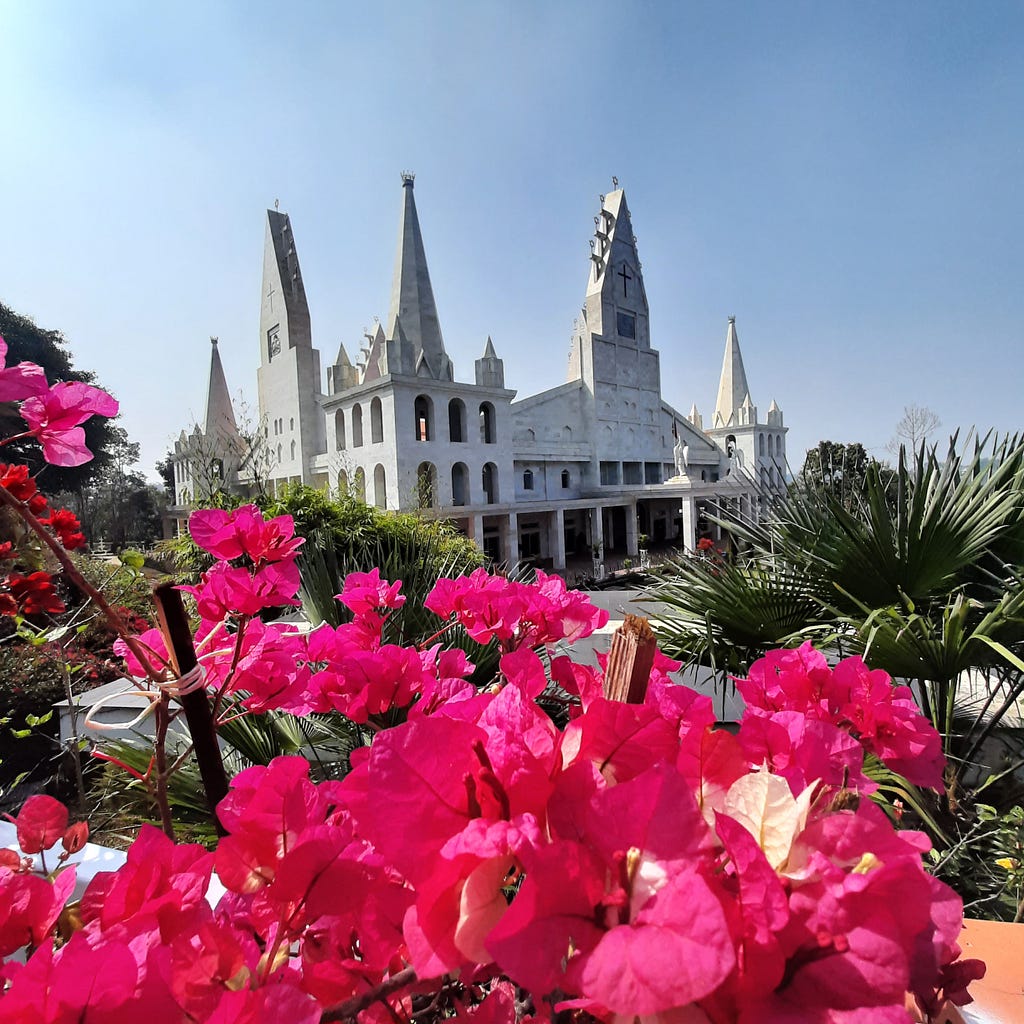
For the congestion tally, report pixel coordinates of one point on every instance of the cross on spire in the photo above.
(270, 294)
(626, 278)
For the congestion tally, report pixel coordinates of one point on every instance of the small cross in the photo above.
(270, 295)
(626, 277)
(615, 182)
(277, 204)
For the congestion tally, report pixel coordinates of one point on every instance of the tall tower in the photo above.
(733, 404)
(612, 357)
(413, 324)
(288, 378)
(757, 449)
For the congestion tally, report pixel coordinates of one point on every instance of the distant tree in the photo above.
(914, 429)
(165, 470)
(28, 342)
(836, 466)
(119, 507)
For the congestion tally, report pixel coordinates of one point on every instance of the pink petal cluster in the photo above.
(56, 416)
(516, 614)
(639, 863)
(22, 381)
(883, 718)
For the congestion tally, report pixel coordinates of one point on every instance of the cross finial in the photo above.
(732, 319)
(408, 177)
(615, 182)
(277, 204)
(213, 340)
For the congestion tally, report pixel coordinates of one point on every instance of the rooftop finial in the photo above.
(732, 319)
(213, 340)
(408, 177)
(277, 204)
(615, 182)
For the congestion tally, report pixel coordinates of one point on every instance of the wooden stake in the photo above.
(630, 661)
(178, 635)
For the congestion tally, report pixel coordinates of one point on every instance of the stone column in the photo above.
(510, 542)
(632, 550)
(597, 528)
(557, 538)
(689, 527)
(476, 526)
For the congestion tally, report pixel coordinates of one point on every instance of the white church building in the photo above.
(588, 467)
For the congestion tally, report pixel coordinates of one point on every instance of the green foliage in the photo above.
(836, 467)
(918, 570)
(985, 863)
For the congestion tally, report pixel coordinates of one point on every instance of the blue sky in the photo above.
(845, 179)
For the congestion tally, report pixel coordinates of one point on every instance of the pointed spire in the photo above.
(616, 305)
(284, 312)
(342, 359)
(412, 297)
(774, 415)
(732, 388)
(490, 370)
(219, 418)
(695, 417)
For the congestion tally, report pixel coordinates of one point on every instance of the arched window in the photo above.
(293, 451)
(291, 423)
(342, 483)
(357, 426)
(460, 484)
(456, 420)
(426, 485)
(778, 445)
(359, 484)
(423, 410)
(376, 422)
(279, 453)
(565, 478)
(760, 444)
(380, 487)
(566, 434)
(527, 479)
(339, 430)
(487, 430)
(490, 482)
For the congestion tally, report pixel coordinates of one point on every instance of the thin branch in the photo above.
(350, 1007)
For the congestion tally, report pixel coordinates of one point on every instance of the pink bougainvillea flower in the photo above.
(41, 823)
(21, 381)
(883, 718)
(55, 418)
(244, 531)
(366, 591)
(31, 905)
(625, 917)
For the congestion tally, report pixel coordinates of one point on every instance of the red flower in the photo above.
(65, 524)
(34, 595)
(16, 479)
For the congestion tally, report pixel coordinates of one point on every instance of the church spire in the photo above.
(616, 304)
(219, 417)
(284, 312)
(733, 392)
(412, 297)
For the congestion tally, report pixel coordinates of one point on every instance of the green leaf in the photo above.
(34, 720)
(132, 559)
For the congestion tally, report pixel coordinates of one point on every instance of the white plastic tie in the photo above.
(194, 679)
(118, 726)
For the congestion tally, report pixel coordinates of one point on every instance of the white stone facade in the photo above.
(583, 469)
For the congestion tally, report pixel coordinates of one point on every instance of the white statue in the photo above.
(680, 453)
